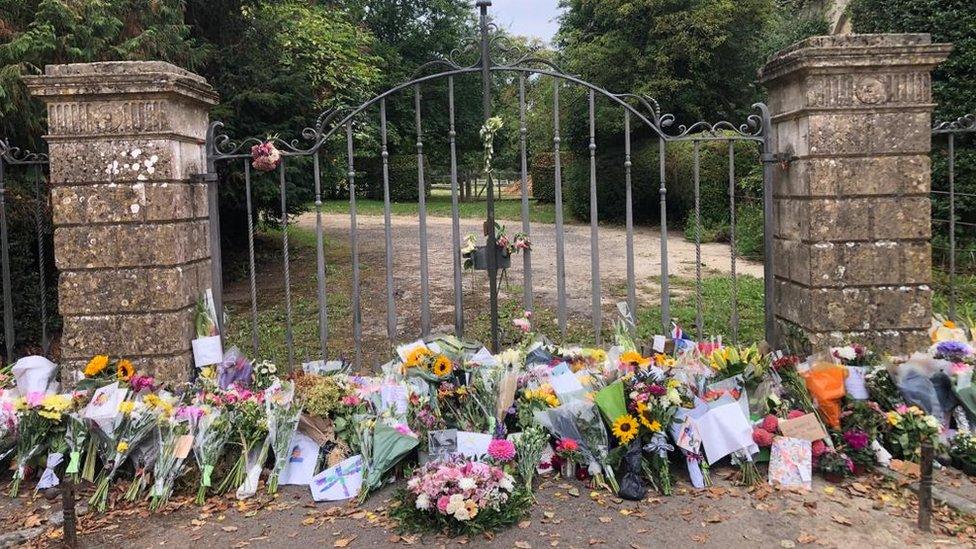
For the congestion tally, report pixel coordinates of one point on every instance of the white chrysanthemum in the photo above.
(506, 483)
(423, 502)
(467, 483)
(461, 513)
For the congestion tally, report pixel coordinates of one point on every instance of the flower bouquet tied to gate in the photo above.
(265, 157)
(459, 496)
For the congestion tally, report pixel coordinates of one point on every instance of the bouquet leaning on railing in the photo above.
(174, 440)
(211, 431)
(76, 436)
(38, 417)
(136, 423)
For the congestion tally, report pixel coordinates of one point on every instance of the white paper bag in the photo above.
(33, 373)
(207, 351)
(725, 430)
(340, 482)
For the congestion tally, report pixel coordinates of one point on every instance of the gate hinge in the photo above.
(207, 177)
(783, 159)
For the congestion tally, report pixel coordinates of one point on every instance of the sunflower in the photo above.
(442, 366)
(634, 360)
(625, 428)
(417, 357)
(96, 365)
(124, 370)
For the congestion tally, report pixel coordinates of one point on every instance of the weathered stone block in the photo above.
(128, 335)
(123, 161)
(846, 176)
(114, 203)
(869, 133)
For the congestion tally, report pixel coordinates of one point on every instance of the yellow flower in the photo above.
(96, 365)
(893, 418)
(416, 357)
(56, 403)
(655, 426)
(949, 324)
(20, 404)
(122, 447)
(442, 366)
(471, 507)
(598, 355)
(208, 372)
(124, 370)
(127, 406)
(634, 360)
(625, 428)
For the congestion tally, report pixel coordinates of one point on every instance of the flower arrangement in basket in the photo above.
(459, 496)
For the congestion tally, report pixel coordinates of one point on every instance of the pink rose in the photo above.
(770, 423)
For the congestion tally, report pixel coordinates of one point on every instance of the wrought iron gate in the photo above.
(494, 55)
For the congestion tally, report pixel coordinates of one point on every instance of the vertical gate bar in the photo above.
(486, 110)
(665, 283)
(455, 218)
(594, 228)
(8, 306)
(320, 260)
(732, 244)
(357, 318)
(284, 245)
(40, 197)
(631, 277)
(213, 213)
(696, 176)
(952, 226)
(558, 188)
(769, 284)
(526, 226)
(250, 257)
(422, 188)
(391, 320)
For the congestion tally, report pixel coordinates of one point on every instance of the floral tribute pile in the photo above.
(469, 431)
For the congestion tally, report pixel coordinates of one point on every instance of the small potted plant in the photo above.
(835, 466)
(962, 451)
(476, 257)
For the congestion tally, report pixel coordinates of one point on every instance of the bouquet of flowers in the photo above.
(265, 374)
(174, 441)
(39, 418)
(535, 400)
(212, 429)
(835, 465)
(283, 415)
(909, 427)
(249, 428)
(855, 355)
(381, 446)
(882, 388)
(528, 451)
(460, 497)
(115, 447)
(962, 451)
(427, 364)
(143, 458)
(265, 157)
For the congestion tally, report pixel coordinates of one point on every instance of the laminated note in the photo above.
(303, 456)
(791, 463)
(472, 445)
(340, 482)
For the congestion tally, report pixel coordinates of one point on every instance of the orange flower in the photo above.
(96, 365)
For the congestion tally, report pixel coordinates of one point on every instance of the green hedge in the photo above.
(403, 178)
(543, 172)
(645, 181)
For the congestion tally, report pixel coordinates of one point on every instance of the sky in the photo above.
(535, 18)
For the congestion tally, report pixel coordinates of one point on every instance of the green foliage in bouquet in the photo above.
(962, 450)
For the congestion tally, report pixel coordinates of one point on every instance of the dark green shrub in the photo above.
(543, 173)
(403, 178)
(645, 181)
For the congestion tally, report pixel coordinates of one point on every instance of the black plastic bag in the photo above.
(632, 485)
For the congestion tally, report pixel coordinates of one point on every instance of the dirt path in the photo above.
(613, 258)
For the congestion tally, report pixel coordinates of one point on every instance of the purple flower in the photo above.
(856, 439)
(953, 351)
(234, 370)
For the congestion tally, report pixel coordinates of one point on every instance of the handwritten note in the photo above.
(806, 427)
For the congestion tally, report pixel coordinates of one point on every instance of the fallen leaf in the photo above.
(573, 492)
(548, 514)
(229, 528)
(525, 524)
(523, 545)
(841, 519)
(32, 521)
(787, 544)
(596, 541)
(859, 487)
(343, 542)
(605, 520)
(806, 538)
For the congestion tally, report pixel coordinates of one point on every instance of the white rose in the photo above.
(461, 513)
(423, 502)
(506, 483)
(467, 484)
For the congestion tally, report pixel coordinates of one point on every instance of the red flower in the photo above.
(819, 448)
(762, 437)
(795, 414)
(770, 423)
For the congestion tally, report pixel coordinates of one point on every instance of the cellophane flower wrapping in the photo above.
(282, 424)
(528, 451)
(211, 431)
(173, 451)
(39, 420)
(76, 436)
(381, 446)
(115, 447)
(581, 421)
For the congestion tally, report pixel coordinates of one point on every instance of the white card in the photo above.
(472, 445)
(302, 458)
(566, 384)
(658, 345)
(725, 430)
(321, 367)
(340, 482)
(103, 408)
(394, 397)
(404, 350)
(207, 351)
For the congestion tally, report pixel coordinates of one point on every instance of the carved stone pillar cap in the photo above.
(847, 52)
(114, 78)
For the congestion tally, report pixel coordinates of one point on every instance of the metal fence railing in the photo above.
(954, 207)
(25, 264)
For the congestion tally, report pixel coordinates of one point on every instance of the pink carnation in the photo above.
(762, 437)
(501, 450)
(770, 423)
(819, 448)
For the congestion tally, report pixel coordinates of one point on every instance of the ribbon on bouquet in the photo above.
(658, 445)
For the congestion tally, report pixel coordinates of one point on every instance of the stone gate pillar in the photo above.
(852, 211)
(130, 225)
